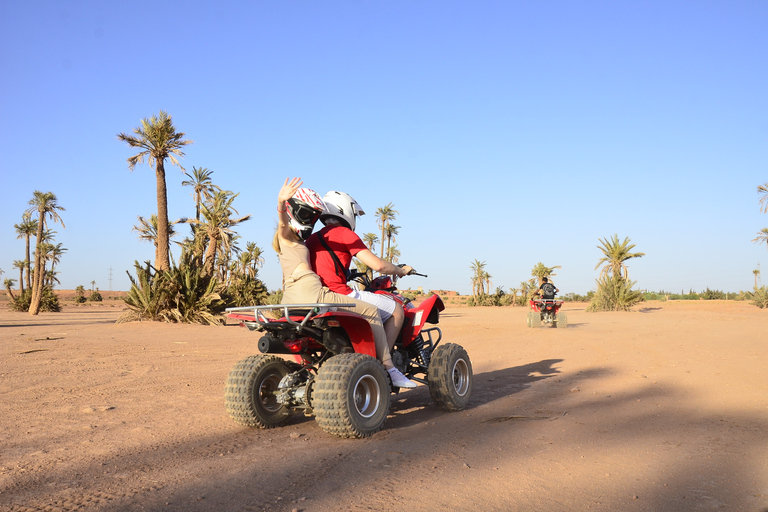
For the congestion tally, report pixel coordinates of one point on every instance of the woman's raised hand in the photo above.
(288, 189)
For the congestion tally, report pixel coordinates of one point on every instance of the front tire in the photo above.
(250, 392)
(450, 377)
(351, 396)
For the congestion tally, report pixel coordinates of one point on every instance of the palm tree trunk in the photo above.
(29, 285)
(383, 228)
(162, 261)
(37, 279)
(210, 257)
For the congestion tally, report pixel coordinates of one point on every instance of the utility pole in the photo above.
(110, 278)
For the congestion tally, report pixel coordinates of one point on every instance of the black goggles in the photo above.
(303, 213)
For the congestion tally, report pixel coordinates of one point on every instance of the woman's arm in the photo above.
(286, 192)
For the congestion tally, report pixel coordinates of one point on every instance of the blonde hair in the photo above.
(276, 241)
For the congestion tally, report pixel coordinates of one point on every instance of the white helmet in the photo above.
(341, 206)
(304, 208)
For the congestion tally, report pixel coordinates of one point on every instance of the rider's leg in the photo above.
(393, 325)
(392, 313)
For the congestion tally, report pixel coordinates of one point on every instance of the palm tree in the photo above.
(26, 229)
(391, 232)
(8, 283)
(616, 253)
(158, 140)
(203, 188)
(21, 265)
(45, 204)
(393, 254)
(540, 271)
(55, 254)
(147, 229)
(763, 191)
(370, 240)
(757, 274)
(487, 279)
(256, 257)
(762, 236)
(216, 226)
(478, 277)
(384, 215)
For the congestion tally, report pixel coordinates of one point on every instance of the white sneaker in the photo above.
(399, 380)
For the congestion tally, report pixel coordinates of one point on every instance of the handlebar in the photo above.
(412, 272)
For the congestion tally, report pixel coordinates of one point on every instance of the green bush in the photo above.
(614, 293)
(275, 297)
(245, 291)
(497, 299)
(575, 297)
(655, 296)
(760, 297)
(49, 301)
(181, 294)
(712, 294)
(95, 296)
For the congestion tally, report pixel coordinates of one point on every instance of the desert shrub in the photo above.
(684, 296)
(411, 294)
(742, 296)
(712, 294)
(245, 291)
(614, 293)
(95, 296)
(500, 298)
(662, 296)
(506, 300)
(575, 297)
(275, 297)
(181, 294)
(49, 301)
(760, 297)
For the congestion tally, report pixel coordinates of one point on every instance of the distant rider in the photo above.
(547, 290)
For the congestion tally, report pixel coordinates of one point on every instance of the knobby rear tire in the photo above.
(249, 395)
(351, 396)
(450, 377)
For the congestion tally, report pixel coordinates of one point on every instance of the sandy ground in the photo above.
(661, 409)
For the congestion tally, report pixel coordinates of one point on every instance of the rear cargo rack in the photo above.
(310, 309)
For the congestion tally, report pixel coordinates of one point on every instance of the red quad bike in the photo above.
(547, 311)
(335, 375)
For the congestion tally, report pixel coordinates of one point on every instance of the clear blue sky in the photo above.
(508, 132)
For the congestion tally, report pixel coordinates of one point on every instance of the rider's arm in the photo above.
(382, 266)
(286, 192)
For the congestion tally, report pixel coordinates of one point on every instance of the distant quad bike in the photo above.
(335, 375)
(547, 310)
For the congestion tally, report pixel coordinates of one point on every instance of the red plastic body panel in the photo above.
(357, 328)
(539, 304)
(416, 317)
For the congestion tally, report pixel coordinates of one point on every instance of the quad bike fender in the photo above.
(357, 328)
(415, 318)
(540, 305)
